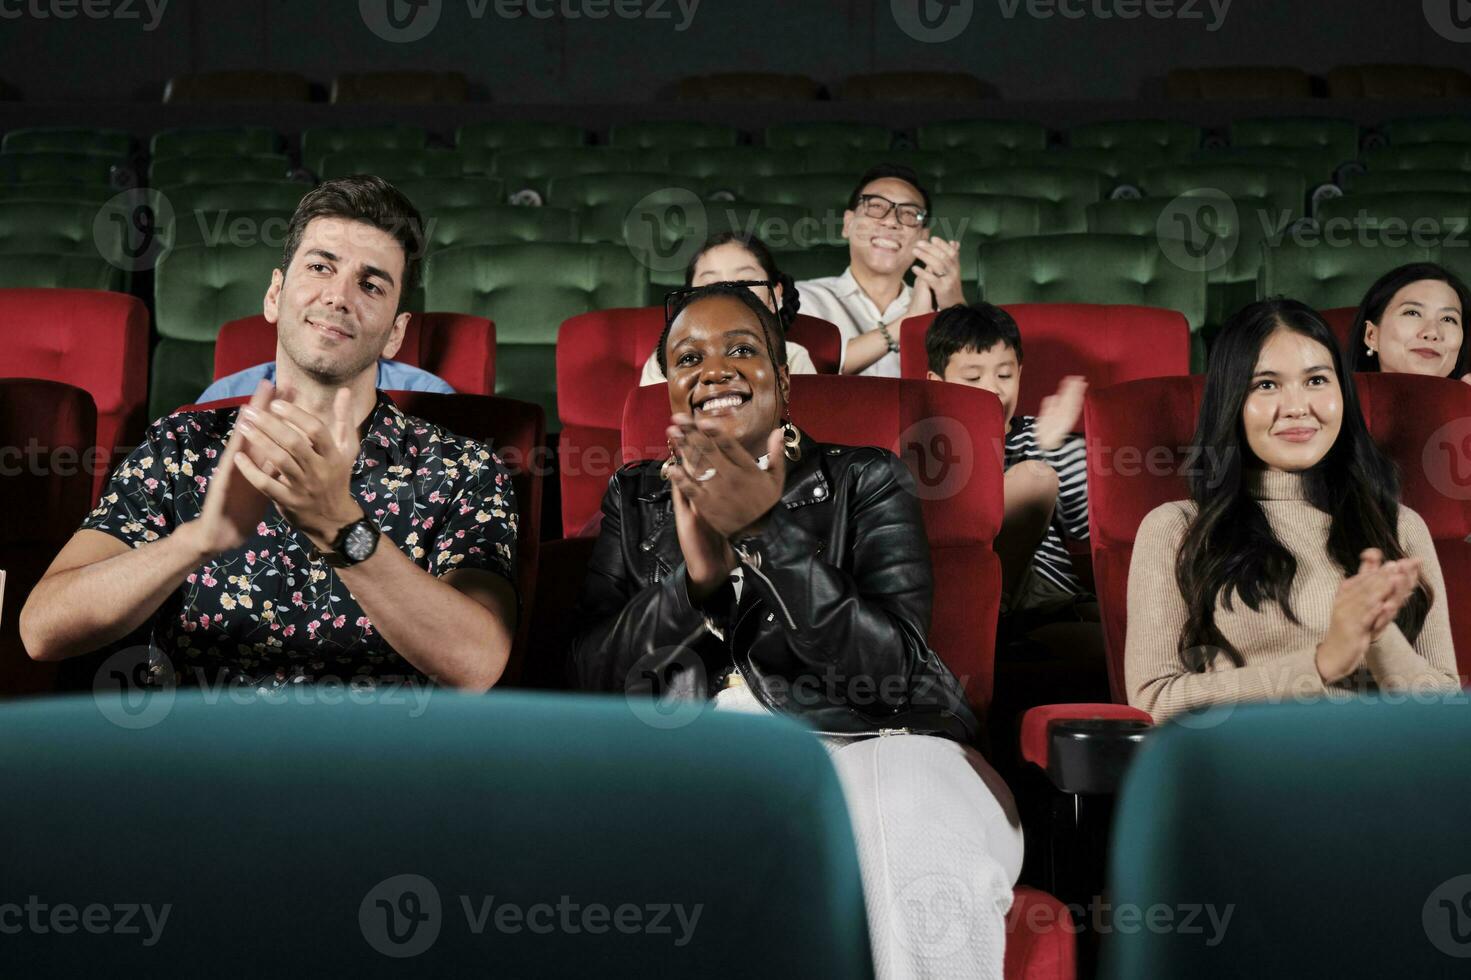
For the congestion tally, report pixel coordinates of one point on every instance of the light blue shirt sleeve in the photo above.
(239, 383)
(397, 376)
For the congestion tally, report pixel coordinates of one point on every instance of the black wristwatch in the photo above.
(354, 543)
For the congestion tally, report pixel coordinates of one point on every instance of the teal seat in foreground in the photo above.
(1317, 840)
(445, 835)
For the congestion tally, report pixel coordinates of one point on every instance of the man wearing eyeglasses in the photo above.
(886, 228)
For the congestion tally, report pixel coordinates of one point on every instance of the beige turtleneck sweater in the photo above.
(1279, 655)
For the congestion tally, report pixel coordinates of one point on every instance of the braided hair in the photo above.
(680, 300)
(790, 301)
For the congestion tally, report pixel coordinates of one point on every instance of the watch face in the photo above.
(359, 543)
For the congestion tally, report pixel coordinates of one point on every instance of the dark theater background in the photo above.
(520, 659)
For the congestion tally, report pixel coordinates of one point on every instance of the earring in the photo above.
(669, 463)
(791, 441)
(1368, 350)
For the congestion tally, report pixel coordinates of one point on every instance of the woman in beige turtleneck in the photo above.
(1292, 570)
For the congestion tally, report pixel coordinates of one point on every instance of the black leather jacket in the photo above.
(831, 622)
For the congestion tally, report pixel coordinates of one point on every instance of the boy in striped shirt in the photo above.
(1046, 488)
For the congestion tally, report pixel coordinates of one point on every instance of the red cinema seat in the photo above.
(95, 340)
(44, 495)
(1107, 344)
(516, 430)
(600, 357)
(1341, 321)
(949, 436)
(457, 347)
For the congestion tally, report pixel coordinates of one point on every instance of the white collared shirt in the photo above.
(840, 300)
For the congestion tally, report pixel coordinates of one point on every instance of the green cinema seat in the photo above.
(215, 142)
(1284, 187)
(1086, 268)
(69, 139)
(724, 169)
(392, 165)
(197, 289)
(497, 224)
(1383, 181)
(532, 169)
(974, 219)
(468, 191)
(1428, 129)
(1120, 164)
(672, 135)
(844, 135)
(1326, 273)
(530, 835)
(319, 143)
(1339, 136)
(518, 135)
(62, 227)
(1070, 190)
(1317, 164)
(54, 166)
(1423, 214)
(817, 262)
(982, 135)
(1168, 139)
(274, 195)
(815, 192)
(931, 165)
(1271, 841)
(1217, 234)
(56, 190)
(1420, 156)
(170, 171)
(528, 289)
(603, 201)
(60, 270)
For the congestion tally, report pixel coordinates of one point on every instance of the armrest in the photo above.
(1084, 748)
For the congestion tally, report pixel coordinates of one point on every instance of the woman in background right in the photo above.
(1293, 568)
(1411, 322)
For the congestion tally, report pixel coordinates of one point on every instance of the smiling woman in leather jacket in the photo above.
(768, 572)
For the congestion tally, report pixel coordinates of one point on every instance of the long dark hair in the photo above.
(1229, 551)
(1376, 301)
(790, 301)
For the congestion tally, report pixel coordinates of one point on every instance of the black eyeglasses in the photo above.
(876, 207)
(676, 299)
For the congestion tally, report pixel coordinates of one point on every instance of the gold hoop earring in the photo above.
(791, 441)
(669, 463)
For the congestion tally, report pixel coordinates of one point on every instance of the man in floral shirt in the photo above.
(317, 532)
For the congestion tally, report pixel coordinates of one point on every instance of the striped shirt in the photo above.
(1070, 516)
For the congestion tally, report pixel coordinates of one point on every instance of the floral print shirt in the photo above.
(272, 612)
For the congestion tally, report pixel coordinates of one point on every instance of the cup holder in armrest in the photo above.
(1090, 755)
